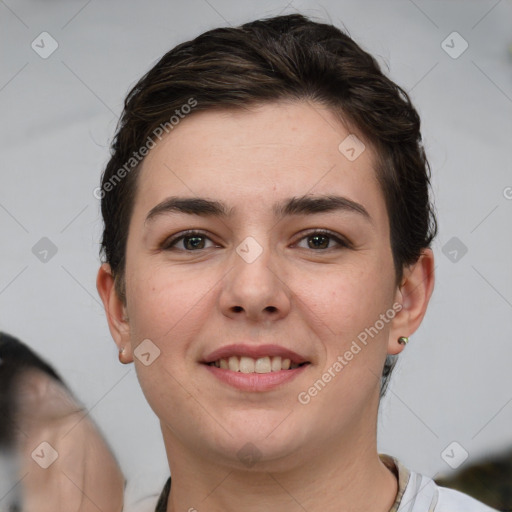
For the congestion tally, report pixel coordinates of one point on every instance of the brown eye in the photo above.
(322, 240)
(318, 242)
(191, 241)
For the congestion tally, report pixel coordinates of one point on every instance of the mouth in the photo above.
(255, 368)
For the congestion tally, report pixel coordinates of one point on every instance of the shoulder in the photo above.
(422, 494)
(451, 500)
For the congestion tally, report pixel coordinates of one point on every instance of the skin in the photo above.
(313, 301)
(85, 477)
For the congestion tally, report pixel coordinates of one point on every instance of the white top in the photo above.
(423, 495)
(416, 493)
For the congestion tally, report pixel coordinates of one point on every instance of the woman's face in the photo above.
(255, 239)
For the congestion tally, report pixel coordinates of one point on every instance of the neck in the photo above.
(325, 479)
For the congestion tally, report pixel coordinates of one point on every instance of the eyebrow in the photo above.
(305, 205)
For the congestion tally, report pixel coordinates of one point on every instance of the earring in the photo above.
(121, 355)
(403, 340)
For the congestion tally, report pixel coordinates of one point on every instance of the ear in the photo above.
(413, 295)
(116, 313)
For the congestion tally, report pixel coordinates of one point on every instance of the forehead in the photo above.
(264, 153)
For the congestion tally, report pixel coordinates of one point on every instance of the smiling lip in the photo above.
(254, 381)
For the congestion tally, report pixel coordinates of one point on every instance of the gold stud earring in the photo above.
(403, 340)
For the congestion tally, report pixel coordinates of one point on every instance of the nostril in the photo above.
(269, 309)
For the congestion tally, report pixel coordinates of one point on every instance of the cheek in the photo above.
(346, 300)
(164, 300)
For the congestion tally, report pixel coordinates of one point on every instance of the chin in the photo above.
(259, 441)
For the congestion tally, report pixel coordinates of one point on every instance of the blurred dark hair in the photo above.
(281, 58)
(15, 357)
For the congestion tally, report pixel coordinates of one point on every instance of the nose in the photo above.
(255, 290)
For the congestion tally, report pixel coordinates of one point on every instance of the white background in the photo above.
(58, 114)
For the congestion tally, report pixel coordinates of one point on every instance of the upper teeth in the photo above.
(246, 364)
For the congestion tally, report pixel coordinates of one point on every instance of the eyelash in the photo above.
(170, 243)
